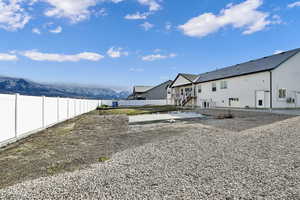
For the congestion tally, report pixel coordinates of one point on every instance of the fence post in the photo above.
(43, 111)
(68, 110)
(74, 102)
(57, 109)
(16, 114)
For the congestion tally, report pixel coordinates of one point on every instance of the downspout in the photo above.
(271, 91)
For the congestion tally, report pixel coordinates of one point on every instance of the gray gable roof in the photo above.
(190, 77)
(254, 66)
(140, 89)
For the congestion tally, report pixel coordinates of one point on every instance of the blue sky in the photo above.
(120, 43)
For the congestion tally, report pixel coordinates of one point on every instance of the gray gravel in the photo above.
(206, 163)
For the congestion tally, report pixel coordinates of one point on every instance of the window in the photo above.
(282, 93)
(223, 85)
(234, 99)
(199, 89)
(181, 91)
(188, 89)
(214, 87)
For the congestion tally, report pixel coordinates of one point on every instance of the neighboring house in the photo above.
(268, 82)
(138, 92)
(150, 92)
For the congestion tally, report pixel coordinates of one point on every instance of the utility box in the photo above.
(115, 104)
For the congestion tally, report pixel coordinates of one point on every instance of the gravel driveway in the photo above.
(204, 163)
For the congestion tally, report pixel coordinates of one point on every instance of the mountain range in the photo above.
(9, 85)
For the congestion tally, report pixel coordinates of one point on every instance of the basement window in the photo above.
(214, 87)
(282, 93)
(224, 85)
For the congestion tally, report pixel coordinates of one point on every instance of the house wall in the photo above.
(287, 76)
(181, 81)
(157, 93)
(243, 87)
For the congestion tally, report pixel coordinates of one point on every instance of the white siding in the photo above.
(181, 81)
(243, 87)
(287, 76)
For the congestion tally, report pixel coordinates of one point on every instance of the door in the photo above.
(260, 99)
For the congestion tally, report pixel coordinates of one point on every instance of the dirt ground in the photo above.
(92, 138)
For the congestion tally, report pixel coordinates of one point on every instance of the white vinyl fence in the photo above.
(21, 115)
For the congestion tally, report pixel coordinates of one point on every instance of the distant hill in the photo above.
(10, 85)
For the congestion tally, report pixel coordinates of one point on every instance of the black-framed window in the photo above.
(214, 87)
(223, 85)
(199, 88)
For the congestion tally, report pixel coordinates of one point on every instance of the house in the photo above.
(150, 92)
(268, 82)
(183, 90)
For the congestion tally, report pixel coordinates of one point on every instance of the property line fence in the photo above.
(21, 115)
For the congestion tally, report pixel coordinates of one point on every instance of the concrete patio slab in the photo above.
(164, 116)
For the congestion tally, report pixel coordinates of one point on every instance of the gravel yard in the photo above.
(241, 158)
(204, 163)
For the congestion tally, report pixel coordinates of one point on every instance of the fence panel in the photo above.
(106, 102)
(29, 114)
(7, 117)
(63, 109)
(71, 108)
(51, 109)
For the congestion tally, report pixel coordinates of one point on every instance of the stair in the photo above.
(186, 100)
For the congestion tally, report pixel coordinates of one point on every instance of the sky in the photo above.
(121, 43)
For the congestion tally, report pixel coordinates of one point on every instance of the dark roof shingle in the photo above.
(254, 66)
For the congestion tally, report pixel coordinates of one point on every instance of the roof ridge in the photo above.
(253, 60)
(253, 66)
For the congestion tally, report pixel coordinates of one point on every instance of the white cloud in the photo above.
(244, 15)
(75, 11)
(168, 26)
(147, 26)
(136, 69)
(153, 5)
(278, 51)
(102, 12)
(8, 57)
(295, 4)
(38, 56)
(116, 52)
(36, 31)
(116, 1)
(154, 57)
(137, 16)
(12, 15)
(56, 30)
